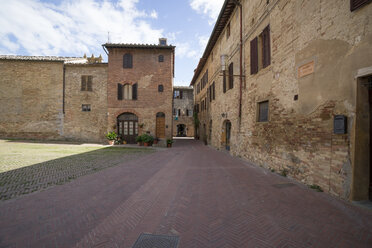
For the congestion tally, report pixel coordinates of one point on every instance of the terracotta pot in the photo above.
(155, 142)
(111, 142)
(169, 145)
(146, 144)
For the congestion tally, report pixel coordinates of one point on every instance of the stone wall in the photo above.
(31, 99)
(298, 138)
(85, 126)
(186, 103)
(148, 73)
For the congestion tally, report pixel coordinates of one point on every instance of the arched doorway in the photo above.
(226, 134)
(127, 124)
(181, 130)
(160, 125)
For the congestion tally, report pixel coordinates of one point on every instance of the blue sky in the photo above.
(75, 27)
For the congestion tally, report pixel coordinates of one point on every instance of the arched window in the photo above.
(128, 61)
(161, 58)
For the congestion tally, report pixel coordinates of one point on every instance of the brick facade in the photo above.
(317, 51)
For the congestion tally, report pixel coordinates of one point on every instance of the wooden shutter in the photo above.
(83, 83)
(266, 47)
(187, 112)
(90, 83)
(213, 91)
(231, 76)
(134, 91)
(224, 81)
(181, 94)
(128, 60)
(356, 4)
(179, 112)
(120, 92)
(254, 56)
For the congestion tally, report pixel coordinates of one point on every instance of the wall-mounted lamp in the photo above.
(224, 115)
(223, 62)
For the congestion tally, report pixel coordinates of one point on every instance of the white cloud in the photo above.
(209, 8)
(72, 27)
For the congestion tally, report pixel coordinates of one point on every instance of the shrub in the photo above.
(111, 135)
(147, 138)
(169, 141)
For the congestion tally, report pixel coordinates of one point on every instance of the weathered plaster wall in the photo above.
(86, 126)
(148, 73)
(299, 135)
(31, 99)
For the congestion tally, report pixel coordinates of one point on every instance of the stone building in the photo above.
(140, 88)
(286, 84)
(183, 106)
(81, 99)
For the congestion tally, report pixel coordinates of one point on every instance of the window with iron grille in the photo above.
(85, 107)
(86, 83)
(263, 111)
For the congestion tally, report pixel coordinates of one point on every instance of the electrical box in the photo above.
(340, 124)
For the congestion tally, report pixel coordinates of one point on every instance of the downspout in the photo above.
(241, 60)
(64, 89)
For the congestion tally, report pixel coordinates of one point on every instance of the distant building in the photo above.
(183, 106)
(81, 99)
(285, 84)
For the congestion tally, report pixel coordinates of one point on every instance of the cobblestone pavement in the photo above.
(30, 167)
(206, 197)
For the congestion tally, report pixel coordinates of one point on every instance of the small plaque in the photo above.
(340, 124)
(306, 69)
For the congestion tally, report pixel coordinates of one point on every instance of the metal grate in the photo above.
(283, 185)
(156, 241)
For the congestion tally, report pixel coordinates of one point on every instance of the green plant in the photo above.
(147, 138)
(284, 173)
(169, 141)
(139, 139)
(111, 135)
(316, 187)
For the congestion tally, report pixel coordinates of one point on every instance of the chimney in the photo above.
(163, 41)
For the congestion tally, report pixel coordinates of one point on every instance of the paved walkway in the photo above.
(206, 197)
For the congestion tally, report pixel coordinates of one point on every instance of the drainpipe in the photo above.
(64, 89)
(241, 59)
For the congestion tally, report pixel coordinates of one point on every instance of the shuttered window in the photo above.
(134, 91)
(128, 61)
(120, 92)
(181, 94)
(266, 47)
(263, 111)
(85, 107)
(86, 83)
(179, 112)
(231, 76)
(356, 4)
(161, 58)
(254, 56)
(160, 88)
(187, 112)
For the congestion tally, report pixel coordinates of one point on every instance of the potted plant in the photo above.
(111, 136)
(156, 140)
(169, 142)
(139, 140)
(147, 140)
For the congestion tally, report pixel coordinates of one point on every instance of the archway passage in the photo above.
(127, 124)
(160, 125)
(226, 134)
(181, 130)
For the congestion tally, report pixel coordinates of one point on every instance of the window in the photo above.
(177, 94)
(260, 51)
(224, 81)
(231, 76)
(174, 112)
(85, 107)
(179, 112)
(228, 31)
(160, 88)
(128, 61)
(161, 58)
(86, 83)
(213, 91)
(263, 111)
(356, 4)
(127, 91)
(187, 112)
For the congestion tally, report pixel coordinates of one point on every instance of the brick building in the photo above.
(183, 106)
(81, 99)
(286, 84)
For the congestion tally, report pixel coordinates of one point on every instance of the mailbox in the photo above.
(340, 124)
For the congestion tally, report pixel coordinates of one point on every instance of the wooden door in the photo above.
(370, 141)
(128, 131)
(160, 125)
